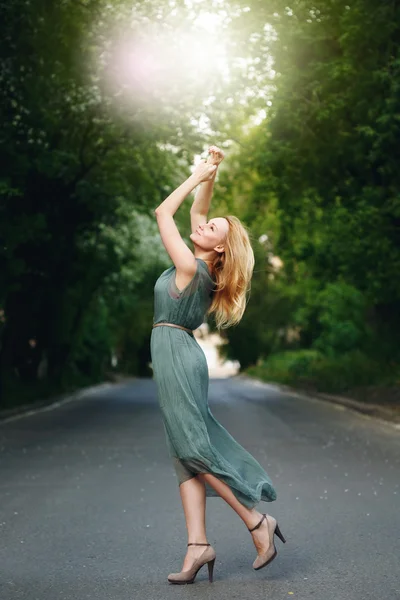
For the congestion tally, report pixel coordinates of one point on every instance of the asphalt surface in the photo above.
(90, 507)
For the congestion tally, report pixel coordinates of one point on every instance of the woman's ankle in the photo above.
(197, 540)
(253, 518)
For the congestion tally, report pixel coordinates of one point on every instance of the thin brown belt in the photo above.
(173, 325)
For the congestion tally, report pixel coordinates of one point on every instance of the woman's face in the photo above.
(211, 235)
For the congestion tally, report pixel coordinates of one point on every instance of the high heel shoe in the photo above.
(208, 557)
(264, 559)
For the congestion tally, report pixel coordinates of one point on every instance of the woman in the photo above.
(207, 459)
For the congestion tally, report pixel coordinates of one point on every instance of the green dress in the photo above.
(196, 441)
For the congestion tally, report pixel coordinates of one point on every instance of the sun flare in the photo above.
(163, 59)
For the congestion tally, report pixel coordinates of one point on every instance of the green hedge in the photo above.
(309, 368)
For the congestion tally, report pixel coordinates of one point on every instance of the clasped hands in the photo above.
(206, 170)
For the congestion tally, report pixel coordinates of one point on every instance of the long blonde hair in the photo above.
(232, 270)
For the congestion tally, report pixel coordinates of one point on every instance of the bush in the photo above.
(309, 368)
(286, 367)
(344, 372)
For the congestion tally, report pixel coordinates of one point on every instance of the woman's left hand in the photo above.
(216, 155)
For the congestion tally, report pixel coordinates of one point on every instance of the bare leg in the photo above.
(250, 516)
(193, 496)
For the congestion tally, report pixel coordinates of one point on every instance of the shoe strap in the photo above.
(194, 544)
(258, 524)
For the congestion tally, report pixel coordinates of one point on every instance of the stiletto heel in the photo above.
(207, 558)
(279, 533)
(264, 559)
(210, 569)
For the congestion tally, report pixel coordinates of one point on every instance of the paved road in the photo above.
(90, 508)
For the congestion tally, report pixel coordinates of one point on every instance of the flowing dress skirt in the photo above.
(197, 442)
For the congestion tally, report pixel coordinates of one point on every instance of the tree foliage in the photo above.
(323, 171)
(89, 149)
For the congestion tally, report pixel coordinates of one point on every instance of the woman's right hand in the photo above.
(204, 171)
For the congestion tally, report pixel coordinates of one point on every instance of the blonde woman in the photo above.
(215, 278)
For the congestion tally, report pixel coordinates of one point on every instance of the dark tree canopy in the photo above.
(96, 131)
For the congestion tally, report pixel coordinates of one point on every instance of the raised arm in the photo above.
(181, 255)
(202, 201)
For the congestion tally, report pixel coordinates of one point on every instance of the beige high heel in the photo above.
(208, 557)
(264, 559)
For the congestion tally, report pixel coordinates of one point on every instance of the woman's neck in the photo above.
(207, 260)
